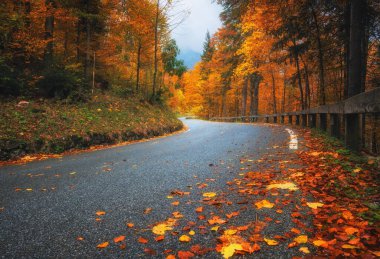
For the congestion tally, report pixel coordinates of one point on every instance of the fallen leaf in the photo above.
(103, 245)
(228, 251)
(176, 203)
(119, 239)
(191, 232)
(170, 257)
(216, 220)
(284, 186)
(230, 232)
(199, 209)
(147, 210)
(304, 250)
(264, 204)
(185, 254)
(209, 194)
(347, 215)
(215, 228)
(159, 238)
(349, 247)
(351, 230)
(321, 243)
(100, 213)
(142, 240)
(270, 242)
(160, 229)
(80, 238)
(301, 239)
(184, 238)
(130, 225)
(314, 205)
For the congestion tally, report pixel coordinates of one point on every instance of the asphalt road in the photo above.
(47, 205)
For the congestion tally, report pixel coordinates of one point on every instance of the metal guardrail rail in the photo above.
(349, 111)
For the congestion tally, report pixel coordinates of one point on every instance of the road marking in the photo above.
(293, 144)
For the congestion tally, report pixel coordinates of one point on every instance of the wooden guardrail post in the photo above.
(353, 131)
(312, 120)
(335, 125)
(297, 120)
(275, 119)
(323, 121)
(304, 120)
(282, 119)
(290, 117)
(266, 119)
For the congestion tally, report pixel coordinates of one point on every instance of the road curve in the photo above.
(47, 205)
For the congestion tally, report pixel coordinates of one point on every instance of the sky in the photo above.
(190, 35)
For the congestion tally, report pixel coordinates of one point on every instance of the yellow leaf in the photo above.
(319, 242)
(357, 170)
(314, 205)
(184, 238)
(29, 189)
(264, 204)
(228, 251)
(349, 247)
(230, 232)
(270, 242)
(209, 194)
(301, 239)
(103, 245)
(160, 229)
(215, 228)
(169, 197)
(304, 250)
(191, 232)
(285, 185)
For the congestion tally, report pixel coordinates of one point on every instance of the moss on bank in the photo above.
(45, 126)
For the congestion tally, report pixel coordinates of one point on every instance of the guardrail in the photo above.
(348, 117)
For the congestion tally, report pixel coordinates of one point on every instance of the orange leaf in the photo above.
(130, 225)
(100, 213)
(119, 239)
(185, 254)
(103, 245)
(347, 215)
(159, 238)
(175, 203)
(142, 240)
(255, 247)
(199, 209)
(351, 230)
(170, 257)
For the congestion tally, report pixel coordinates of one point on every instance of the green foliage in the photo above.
(9, 85)
(62, 83)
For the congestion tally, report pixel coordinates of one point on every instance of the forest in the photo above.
(71, 50)
(280, 56)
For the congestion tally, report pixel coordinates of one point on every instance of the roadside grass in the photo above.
(357, 169)
(43, 125)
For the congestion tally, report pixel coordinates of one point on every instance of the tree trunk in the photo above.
(78, 39)
(356, 70)
(299, 81)
(155, 50)
(49, 33)
(347, 22)
(283, 94)
(322, 93)
(244, 93)
(307, 88)
(274, 93)
(88, 41)
(356, 49)
(138, 65)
